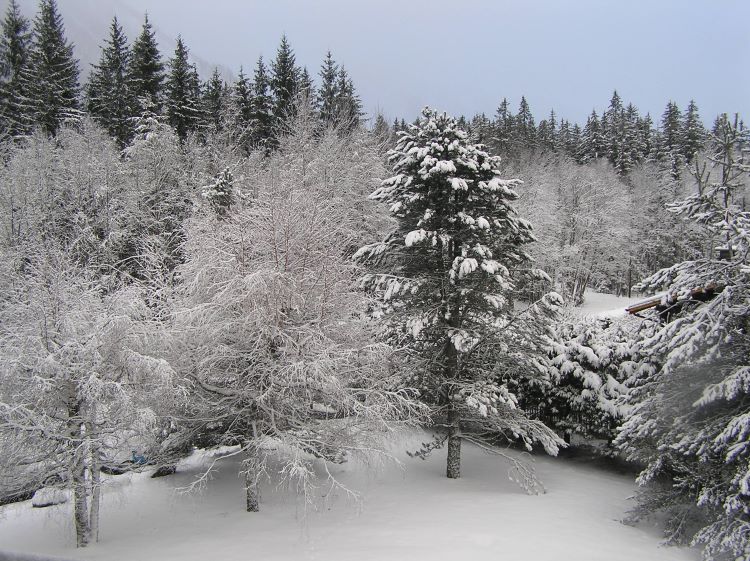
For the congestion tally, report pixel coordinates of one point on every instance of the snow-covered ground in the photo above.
(410, 512)
(599, 304)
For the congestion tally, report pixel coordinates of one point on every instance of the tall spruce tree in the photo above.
(242, 99)
(448, 274)
(381, 129)
(592, 145)
(669, 150)
(328, 91)
(348, 104)
(504, 128)
(574, 141)
(612, 129)
(566, 141)
(693, 133)
(284, 81)
(50, 85)
(307, 87)
(146, 70)
(183, 95)
(214, 100)
(109, 98)
(629, 151)
(646, 136)
(262, 106)
(671, 125)
(547, 132)
(14, 59)
(525, 129)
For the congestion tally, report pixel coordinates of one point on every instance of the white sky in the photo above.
(463, 56)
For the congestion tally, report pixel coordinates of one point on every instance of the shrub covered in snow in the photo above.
(593, 364)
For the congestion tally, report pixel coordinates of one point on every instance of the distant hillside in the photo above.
(87, 25)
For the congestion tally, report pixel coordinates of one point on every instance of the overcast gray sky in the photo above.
(464, 56)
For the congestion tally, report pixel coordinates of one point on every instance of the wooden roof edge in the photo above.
(654, 301)
(644, 305)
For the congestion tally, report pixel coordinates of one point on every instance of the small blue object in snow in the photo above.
(138, 459)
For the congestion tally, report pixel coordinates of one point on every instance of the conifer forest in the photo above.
(243, 315)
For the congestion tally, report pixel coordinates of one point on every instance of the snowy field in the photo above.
(409, 512)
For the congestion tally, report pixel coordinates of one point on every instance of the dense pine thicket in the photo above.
(183, 263)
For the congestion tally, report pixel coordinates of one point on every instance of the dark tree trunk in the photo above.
(78, 470)
(454, 444)
(80, 505)
(252, 474)
(252, 492)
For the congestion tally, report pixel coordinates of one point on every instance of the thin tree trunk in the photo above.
(251, 482)
(95, 494)
(454, 444)
(77, 448)
(80, 504)
(252, 474)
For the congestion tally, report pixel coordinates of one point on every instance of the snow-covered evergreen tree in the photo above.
(14, 59)
(50, 84)
(645, 137)
(691, 420)
(449, 273)
(109, 98)
(183, 100)
(214, 100)
(262, 105)
(630, 149)
(220, 194)
(146, 70)
(593, 363)
(348, 105)
(158, 166)
(524, 127)
(693, 135)
(592, 146)
(241, 109)
(382, 130)
(504, 128)
(328, 92)
(669, 149)
(307, 88)
(284, 82)
(611, 124)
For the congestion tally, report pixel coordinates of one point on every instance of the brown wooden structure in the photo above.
(666, 306)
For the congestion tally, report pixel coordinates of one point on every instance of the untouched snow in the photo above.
(598, 304)
(404, 514)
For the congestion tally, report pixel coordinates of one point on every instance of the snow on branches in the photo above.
(269, 326)
(446, 279)
(690, 421)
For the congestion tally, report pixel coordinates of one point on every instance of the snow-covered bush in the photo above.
(593, 364)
